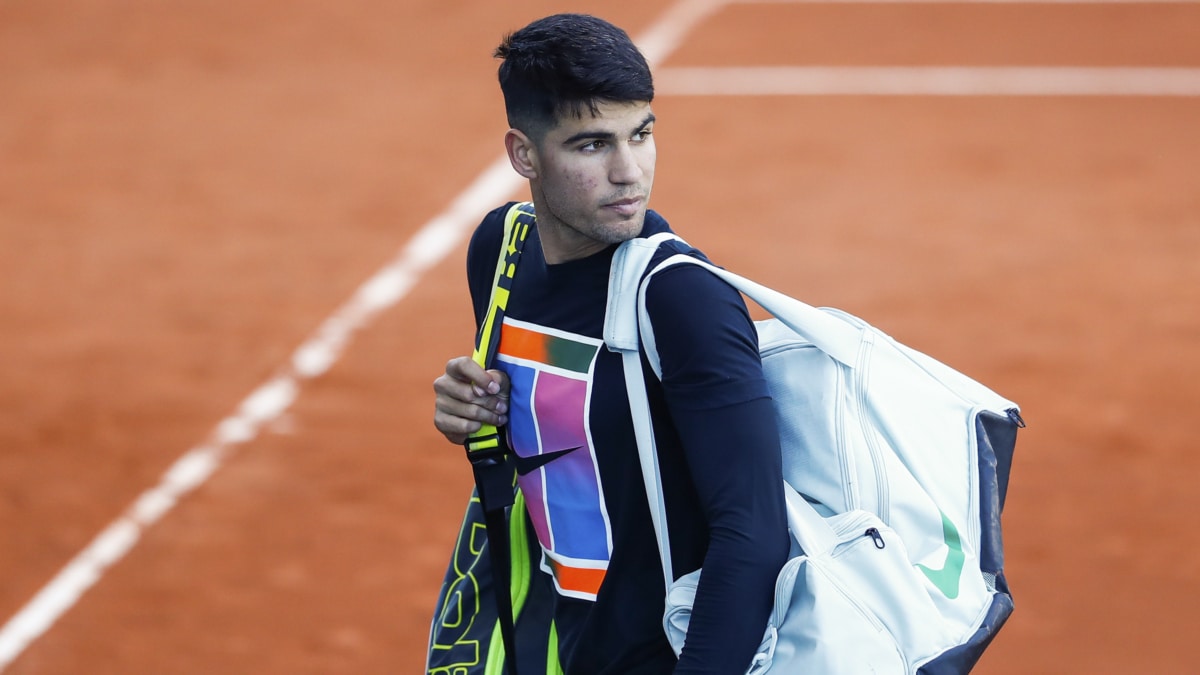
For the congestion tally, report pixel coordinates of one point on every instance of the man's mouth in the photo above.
(626, 207)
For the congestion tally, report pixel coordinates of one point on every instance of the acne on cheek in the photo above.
(581, 179)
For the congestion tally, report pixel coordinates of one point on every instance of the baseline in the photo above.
(927, 81)
(964, 2)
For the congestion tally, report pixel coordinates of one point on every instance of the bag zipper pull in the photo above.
(875, 537)
(1015, 416)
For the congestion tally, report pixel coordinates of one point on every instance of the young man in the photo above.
(577, 94)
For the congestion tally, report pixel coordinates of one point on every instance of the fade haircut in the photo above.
(565, 64)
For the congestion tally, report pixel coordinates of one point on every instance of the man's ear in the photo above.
(522, 153)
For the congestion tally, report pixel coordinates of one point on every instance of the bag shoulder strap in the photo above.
(628, 267)
(621, 335)
(628, 326)
(517, 224)
(486, 448)
(835, 337)
(810, 530)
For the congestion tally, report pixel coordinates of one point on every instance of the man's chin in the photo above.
(628, 228)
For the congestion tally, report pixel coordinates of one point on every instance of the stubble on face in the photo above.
(594, 179)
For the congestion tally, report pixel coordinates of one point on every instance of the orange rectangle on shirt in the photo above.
(578, 579)
(521, 343)
(569, 353)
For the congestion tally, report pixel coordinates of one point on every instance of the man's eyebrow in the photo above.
(586, 135)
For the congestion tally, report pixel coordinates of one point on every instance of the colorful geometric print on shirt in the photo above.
(551, 375)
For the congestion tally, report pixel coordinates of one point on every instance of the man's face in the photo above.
(594, 176)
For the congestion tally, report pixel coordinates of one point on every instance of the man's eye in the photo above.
(642, 135)
(592, 146)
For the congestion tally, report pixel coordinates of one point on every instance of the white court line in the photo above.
(430, 245)
(927, 81)
(965, 2)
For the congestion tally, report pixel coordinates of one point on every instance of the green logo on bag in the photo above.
(946, 579)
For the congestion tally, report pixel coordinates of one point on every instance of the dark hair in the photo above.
(566, 63)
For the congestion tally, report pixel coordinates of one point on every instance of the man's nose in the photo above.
(625, 167)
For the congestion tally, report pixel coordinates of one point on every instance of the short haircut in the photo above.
(564, 64)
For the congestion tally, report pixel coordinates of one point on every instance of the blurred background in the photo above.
(217, 337)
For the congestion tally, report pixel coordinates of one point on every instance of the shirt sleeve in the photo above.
(721, 409)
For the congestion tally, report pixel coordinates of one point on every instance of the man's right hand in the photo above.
(468, 397)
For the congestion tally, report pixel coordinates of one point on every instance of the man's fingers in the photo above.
(457, 423)
(457, 396)
(455, 429)
(490, 409)
(468, 397)
(501, 379)
(483, 382)
(464, 369)
(491, 388)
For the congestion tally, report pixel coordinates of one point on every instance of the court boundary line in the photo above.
(927, 81)
(431, 243)
(964, 2)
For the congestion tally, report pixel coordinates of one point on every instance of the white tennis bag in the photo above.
(896, 468)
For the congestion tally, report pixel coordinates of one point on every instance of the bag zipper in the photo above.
(882, 506)
(849, 479)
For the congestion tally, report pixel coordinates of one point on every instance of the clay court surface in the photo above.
(190, 190)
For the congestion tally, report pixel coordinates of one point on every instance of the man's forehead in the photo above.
(607, 116)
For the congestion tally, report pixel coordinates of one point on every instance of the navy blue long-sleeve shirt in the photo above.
(718, 449)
